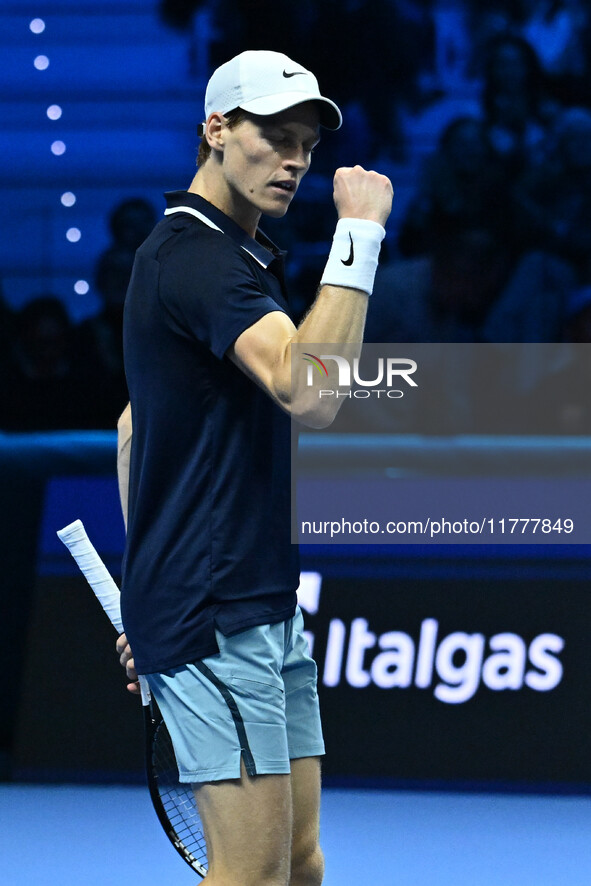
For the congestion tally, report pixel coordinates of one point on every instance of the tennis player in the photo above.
(210, 574)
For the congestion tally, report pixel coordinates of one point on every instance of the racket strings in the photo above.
(177, 799)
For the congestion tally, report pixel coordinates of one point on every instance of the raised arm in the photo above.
(363, 201)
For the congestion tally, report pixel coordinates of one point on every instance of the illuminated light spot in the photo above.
(73, 234)
(68, 198)
(37, 26)
(81, 287)
(54, 112)
(41, 62)
(58, 148)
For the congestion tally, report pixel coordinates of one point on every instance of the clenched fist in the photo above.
(359, 193)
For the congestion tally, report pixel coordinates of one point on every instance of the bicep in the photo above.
(262, 352)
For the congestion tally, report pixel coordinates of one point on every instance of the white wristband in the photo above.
(353, 257)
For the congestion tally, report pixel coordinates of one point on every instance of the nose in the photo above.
(298, 159)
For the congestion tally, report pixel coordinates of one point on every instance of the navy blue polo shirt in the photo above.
(208, 541)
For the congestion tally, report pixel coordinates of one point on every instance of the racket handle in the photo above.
(99, 578)
(94, 570)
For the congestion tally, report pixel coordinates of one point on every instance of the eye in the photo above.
(277, 139)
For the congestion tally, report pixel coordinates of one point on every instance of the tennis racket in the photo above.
(173, 802)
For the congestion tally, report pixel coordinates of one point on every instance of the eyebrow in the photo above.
(283, 128)
(313, 142)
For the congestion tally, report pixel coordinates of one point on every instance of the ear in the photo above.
(214, 131)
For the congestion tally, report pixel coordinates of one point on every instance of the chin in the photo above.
(276, 211)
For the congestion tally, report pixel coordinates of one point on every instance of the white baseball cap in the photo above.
(264, 82)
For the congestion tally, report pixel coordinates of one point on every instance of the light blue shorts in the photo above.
(255, 700)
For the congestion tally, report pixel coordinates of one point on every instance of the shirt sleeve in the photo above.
(209, 288)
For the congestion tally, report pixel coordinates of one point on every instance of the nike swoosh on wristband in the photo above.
(293, 73)
(349, 261)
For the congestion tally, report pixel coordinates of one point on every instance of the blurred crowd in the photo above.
(493, 243)
(56, 375)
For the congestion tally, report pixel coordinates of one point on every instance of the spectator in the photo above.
(100, 338)
(462, 186)
(553, 199)
(469, 290)
(489, 19)
(513, 103)
(43, 386)
(373, 57)
(556, 29)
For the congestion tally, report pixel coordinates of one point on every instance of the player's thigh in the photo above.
(248, 825)
(305, 793)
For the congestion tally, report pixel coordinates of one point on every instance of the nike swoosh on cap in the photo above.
(293, 73)
(349, 261)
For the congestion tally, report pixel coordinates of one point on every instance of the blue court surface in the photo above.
(86, 836)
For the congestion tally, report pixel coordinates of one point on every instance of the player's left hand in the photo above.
(126, 660)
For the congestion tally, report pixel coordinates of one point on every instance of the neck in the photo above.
(210, 185)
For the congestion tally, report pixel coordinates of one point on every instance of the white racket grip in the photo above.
(99, 578)
(94, 570)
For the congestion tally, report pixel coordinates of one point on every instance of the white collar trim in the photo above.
(171, 211)
(195, 212)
